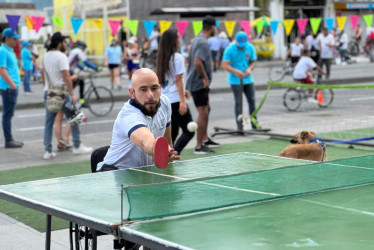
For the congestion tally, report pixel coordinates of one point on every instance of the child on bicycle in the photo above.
(300, 73)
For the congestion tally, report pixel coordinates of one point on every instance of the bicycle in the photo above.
(353, 47)
(98, 99)
(277, 73)
(293, 97)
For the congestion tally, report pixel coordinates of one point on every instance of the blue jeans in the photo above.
(26, 80)
(50, 120)
(249, 92)
(9, 97)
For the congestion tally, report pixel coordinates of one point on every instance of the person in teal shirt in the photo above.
(9, 83)
(239, 60)
(27, 65)
(113, 59)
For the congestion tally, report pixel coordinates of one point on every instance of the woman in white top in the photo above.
(170, 69)
(312, 45)
(295, 51)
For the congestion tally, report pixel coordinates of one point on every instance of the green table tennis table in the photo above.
(336, 211)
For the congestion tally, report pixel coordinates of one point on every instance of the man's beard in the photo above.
(145, 111)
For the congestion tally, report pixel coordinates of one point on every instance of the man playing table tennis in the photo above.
(146, 116)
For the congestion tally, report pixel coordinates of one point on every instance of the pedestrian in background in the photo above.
(223, 43)
(170, 70)
(239, 60)
(112, 60)
(55, 72)
(199, 77)
(295, 51)
(312, 45)
(326, 44)
(27, 66)
(10, 80)
(132, 57)
(214, 45)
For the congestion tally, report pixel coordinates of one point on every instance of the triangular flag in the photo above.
(58, 21)
(114, 24)
(164, 25)
(29, 23)
(217, 24)
(274, 26)
(260, 26)
(340, 20)
(245, 26)
(133, 26)
(288, 25)
(76, 23)
(181, 25)
(301, 24)
(329, 21)
(354, 20)
(98, 23)
(13, 21)
(148, 26)
(315, 23)
(368, 19)
(38, 22)
(230, 26)
(197, 27)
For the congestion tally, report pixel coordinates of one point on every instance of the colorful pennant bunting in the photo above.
(76, 24)
(148, 26)
(230, 26)
(315, 22)
(98, 23)
(329, 23)
(368, 19)
(259, 26)
(13, 21)
(58, 21)
(354, 20)
(197, 27)
(164, 25)
(245, 25)
(29, 23)
(288, 25)
(114, 24)
(38, 22)
(217, 24)
(301, 24)
(133, 26)
(274, 26)
(181, 25)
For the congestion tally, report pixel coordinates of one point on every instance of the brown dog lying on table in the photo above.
(306, 146)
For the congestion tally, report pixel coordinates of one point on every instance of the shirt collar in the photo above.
(6, 47)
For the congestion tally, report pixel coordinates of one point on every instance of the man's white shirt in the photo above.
(304, 65)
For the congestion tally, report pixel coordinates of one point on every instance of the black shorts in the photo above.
(113, 66)
(201, 97)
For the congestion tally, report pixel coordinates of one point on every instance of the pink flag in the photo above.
(301, 24)
(245, 26)
(114, 24)
(38, 22)
(182, 25)
(354, 21)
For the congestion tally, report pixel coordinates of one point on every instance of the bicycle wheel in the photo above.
(276, 73)
(352, 49)
(292, 99)
(324, 97)
(100, 101)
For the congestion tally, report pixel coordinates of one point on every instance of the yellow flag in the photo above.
(164, 25)
(99, 23)
(341, 22)
(29, 23)
(288, 25)
(230, 26)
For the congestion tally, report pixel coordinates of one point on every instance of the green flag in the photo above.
(197, 27)
(368, 20)
(133, 26)
(58, 21)
(260, 26)
(315, 22)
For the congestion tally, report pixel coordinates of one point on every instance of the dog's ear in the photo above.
(304, 134)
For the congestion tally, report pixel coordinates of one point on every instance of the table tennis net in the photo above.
(177, 198)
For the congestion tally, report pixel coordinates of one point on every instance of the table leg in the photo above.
(48, 232)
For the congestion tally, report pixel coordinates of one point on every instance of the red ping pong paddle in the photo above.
(161, 152)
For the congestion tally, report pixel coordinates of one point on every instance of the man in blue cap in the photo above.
(9, 83)
(239, 60)
(27, 66)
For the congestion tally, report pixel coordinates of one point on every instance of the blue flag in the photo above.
(329, 23)
(149, 25)
(217, 24)
(274, 26)
(76, 23)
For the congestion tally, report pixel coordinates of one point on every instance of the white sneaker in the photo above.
(312, 100)
(48, 156)
(82, 149)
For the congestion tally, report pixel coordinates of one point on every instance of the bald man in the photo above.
(146, 116)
